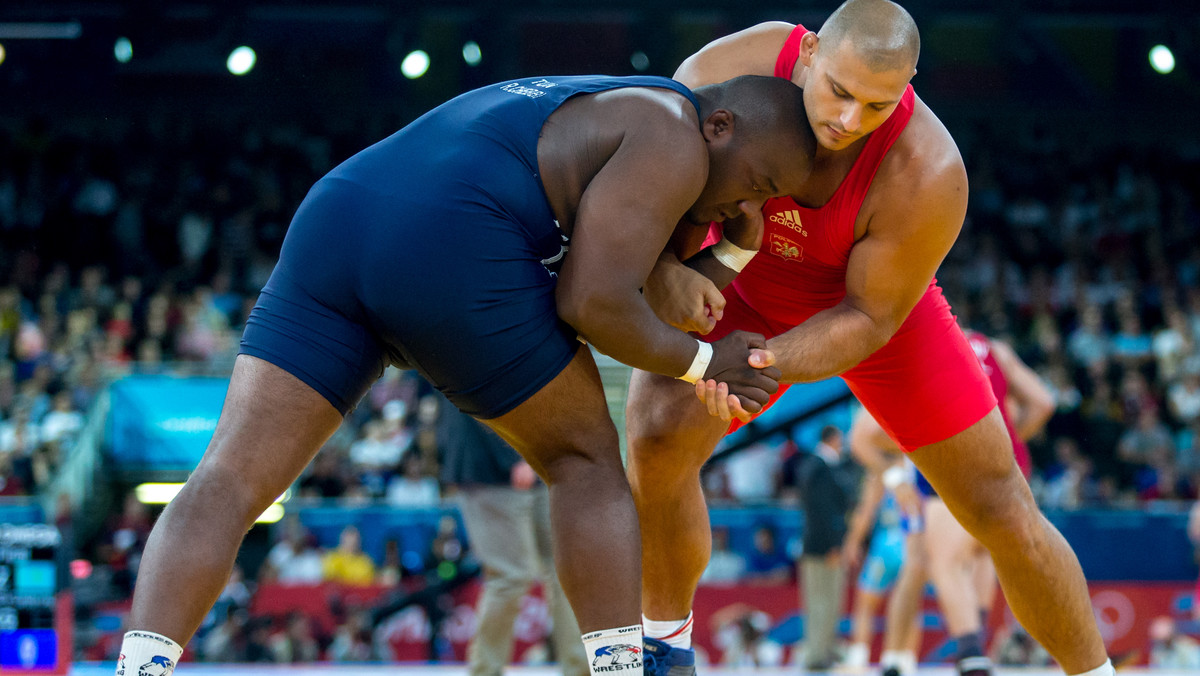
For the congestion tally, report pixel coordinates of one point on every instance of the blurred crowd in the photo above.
(141, 245)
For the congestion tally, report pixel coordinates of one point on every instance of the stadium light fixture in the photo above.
(415, 64)
(123, 50)
(163, 493)
(639, 61)
(1161, 59)
(241, 60)
(472, 54)
(2, 54)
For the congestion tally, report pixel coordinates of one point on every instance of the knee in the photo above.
(669, 441)
(1001, 513)
(593, 454)
(214, 491)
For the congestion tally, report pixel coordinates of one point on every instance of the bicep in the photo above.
(752, 51)
(630, 208)
(891, 266)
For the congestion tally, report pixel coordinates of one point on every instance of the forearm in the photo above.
(827, 344)
(716, 271)
(626, 329)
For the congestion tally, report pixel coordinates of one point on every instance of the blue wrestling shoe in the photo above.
(660, 659)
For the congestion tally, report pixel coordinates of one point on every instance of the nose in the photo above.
(851, 117)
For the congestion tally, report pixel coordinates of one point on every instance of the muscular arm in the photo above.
(1033, 401)
(680, 297)
(752, 51)
(625, 217)
(916, 211)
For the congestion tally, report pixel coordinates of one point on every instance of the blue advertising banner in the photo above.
(161, 423)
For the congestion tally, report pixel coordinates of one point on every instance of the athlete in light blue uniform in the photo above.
(441, 248)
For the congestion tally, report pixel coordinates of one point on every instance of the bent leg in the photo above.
(952, 554)
(975, 474)
(270, 427)
(565, 433)
(903, 628)
(670, 436)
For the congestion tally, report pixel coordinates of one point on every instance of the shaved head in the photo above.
(880, 31)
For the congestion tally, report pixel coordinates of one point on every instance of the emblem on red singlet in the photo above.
(785, 248)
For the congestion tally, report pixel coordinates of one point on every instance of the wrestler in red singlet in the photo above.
(925, 384)
(982, 346)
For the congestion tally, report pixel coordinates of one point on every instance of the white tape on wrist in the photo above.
(695, 372)
(731, 255)
(895, 476)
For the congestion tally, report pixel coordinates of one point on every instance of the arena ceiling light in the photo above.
(1161, 59)
(241, 60)
(639, 61)
(472, 54)
(123, 50)
(163, 493)
(415, 64)
(2, 54)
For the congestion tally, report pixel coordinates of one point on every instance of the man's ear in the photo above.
(718, 126)
(808, 48)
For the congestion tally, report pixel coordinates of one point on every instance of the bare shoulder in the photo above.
(659, 117)
(751, 51)
(923, 169)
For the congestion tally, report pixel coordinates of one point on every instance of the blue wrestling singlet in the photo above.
(428, 250)
(885, 554)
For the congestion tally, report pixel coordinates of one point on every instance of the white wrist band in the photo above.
(699, 365)
(731, 255)
(896, 475)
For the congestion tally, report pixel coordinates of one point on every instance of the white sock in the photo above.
(615, 651)
(144, 652)
(1105, 669)
(675, 633)
(858, 655)
(904, 661)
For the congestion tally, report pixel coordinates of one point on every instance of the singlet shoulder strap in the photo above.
(785, 63)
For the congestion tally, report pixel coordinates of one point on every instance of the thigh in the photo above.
(975, 474)
(271, 425)
(567, 418)
(925, 385)
(665, 421)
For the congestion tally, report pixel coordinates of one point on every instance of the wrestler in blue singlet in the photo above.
(885, 555)
(432, 249)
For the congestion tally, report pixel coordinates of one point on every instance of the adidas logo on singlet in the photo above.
(790, 218)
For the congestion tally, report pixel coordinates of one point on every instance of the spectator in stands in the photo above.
(1170, 649)
(63, 422)
(768, 562)
(1183, 397)
(725, 566)
(374, 457)
(295, 643)
(295, 559)
(324, 477)
(352, 640)
(1089, 343)
(412, 487)
(348, 564)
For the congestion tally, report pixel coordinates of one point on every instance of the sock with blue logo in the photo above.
(144, 653)
(615, 652)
